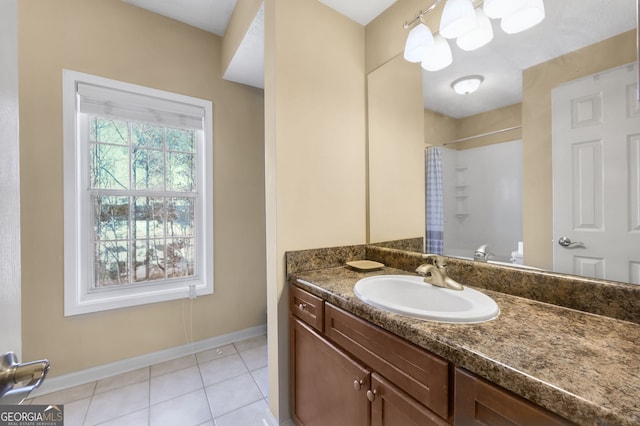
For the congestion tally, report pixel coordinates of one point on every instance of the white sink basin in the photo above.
(411, 296)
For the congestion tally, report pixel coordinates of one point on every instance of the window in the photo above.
(138, 195)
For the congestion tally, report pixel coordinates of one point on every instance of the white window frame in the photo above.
(78, 216)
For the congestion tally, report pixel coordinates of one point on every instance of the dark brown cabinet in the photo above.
(348, 374)
(393, 407)
(347, 371)
(478, 402)
(330, 388)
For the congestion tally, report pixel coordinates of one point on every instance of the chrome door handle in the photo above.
(566, 242)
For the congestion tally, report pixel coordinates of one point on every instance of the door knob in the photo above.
(566, 242)
(371, 395)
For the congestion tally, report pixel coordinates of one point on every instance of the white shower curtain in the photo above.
(433, 201)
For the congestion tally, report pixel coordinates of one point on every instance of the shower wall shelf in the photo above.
(462, 192)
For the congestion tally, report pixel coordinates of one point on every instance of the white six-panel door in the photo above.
(596, 176)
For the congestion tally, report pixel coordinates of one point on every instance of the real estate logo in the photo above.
(31, 415)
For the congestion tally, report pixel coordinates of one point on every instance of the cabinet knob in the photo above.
(371, 395)
(302, 306)
(357, 384)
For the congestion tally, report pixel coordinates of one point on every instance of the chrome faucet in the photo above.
(435, 272)
(482, 253)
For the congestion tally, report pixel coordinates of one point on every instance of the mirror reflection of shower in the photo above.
(482, 201)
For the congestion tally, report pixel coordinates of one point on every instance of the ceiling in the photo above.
(209, 15)
(569, 25)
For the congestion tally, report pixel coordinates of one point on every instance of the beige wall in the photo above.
(538, 82)
(315, 150)
(440, 129)
(487, 122)
(395, 151)
(114, 40)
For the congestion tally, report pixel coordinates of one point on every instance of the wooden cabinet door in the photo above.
(478, 402)
(328, 387)
(390, 406)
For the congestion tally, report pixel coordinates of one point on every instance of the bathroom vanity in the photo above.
(537, 363)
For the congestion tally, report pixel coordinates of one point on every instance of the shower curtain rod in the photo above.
(495, 132)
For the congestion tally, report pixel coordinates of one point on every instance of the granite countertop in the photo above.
(582, 366)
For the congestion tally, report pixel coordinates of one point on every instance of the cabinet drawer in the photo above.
(307, 307)
(422, 375)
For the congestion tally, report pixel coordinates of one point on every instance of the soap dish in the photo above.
(365, 265)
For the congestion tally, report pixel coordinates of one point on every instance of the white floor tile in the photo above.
(229, 383)
(222, 369)
(256, 414)
(261, 376)
(255, 357)
(124, 379)
(187, 410)
(118, 402)
(138, 418)
(175, 384)
(232, 394)
(173, 365)
(76, 411)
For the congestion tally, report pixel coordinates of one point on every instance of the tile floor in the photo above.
(225, 386)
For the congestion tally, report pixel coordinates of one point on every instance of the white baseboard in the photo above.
(81, 377)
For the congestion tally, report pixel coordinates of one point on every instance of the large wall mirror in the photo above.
(499, 159)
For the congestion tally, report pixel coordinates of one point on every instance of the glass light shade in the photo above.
(496, 9)
(458, 17)
(480, 35)
(438, 55)
(530, 14)
(468, 84)
(419, 39)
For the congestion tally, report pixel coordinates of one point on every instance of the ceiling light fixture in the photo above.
(468, 22)
(478, 36)
(467, 85)
(458, 17)
(438, 56)
(420, 38)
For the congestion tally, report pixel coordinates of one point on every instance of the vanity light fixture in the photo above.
(468, 22)
(438, 55)
(479, 35)
(419, 40)
(458, 17)
(468, 84)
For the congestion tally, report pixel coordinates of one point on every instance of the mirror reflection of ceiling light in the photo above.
(479, 35)
(458, 17)
(467, 85)
(470, 27)
(420, 38)
(438, 56)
